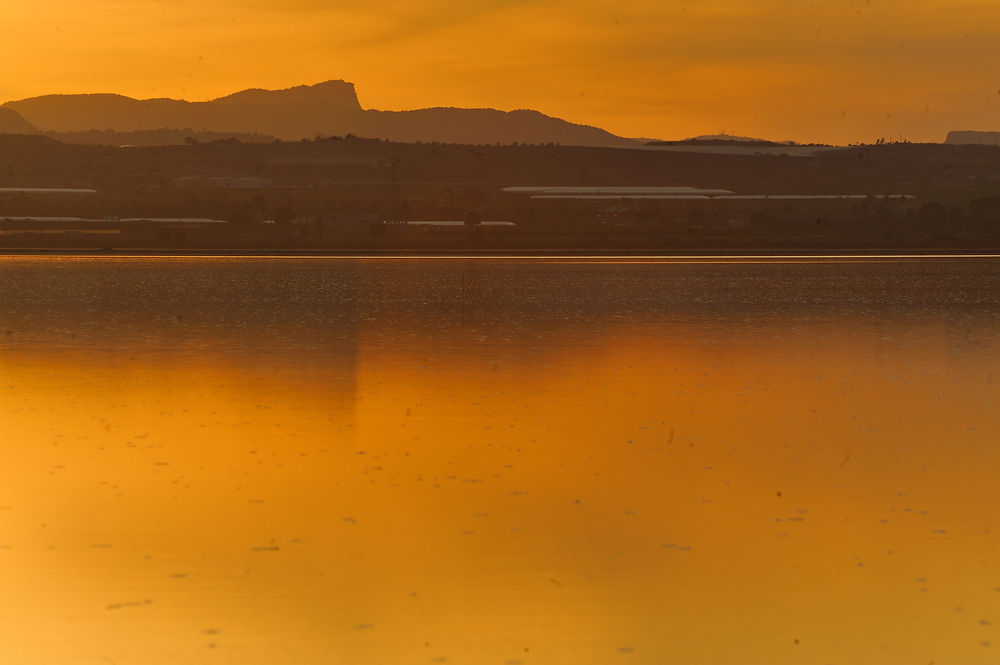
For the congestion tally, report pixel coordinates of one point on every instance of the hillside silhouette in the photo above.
(325, 109)
(11, 122)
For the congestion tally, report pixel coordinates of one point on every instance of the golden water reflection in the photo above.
(239, 462)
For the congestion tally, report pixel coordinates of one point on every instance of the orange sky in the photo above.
(833, 71)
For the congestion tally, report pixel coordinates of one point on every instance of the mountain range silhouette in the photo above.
(330, 108)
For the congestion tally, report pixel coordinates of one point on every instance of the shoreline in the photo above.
(381, 253)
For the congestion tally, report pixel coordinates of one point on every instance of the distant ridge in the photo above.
(11, 122)
(730, 138)
(330, 108)
(722, 139)
(970, 137)
(295, 111)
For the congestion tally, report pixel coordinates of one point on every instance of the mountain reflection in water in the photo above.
(367, 461)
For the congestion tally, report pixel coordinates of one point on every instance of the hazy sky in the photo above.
(835, 70)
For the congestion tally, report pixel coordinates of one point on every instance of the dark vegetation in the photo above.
(155, 137)
(348, 193)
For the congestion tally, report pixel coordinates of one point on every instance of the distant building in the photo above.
(223, 182)
(456, 223)
(48, 190)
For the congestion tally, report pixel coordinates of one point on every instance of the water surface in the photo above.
(511, 461)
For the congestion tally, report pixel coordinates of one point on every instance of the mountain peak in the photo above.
(337, 94)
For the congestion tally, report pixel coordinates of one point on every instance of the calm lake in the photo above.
(499, 461)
